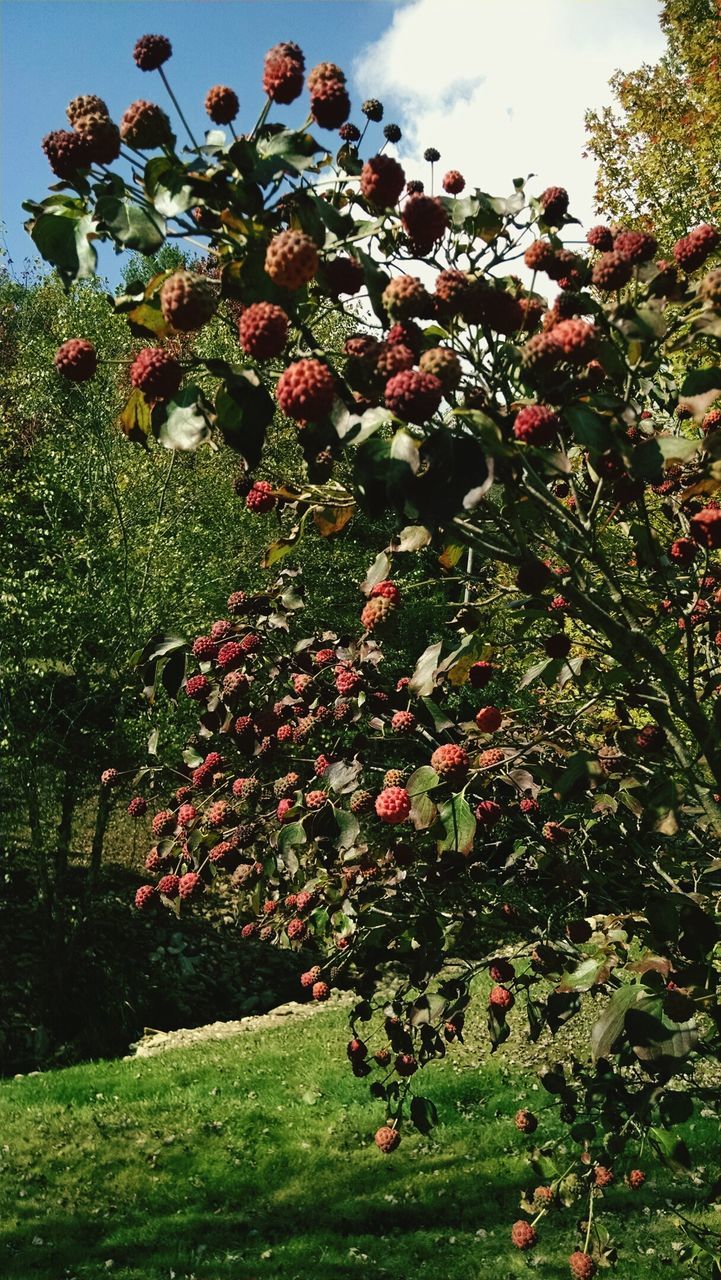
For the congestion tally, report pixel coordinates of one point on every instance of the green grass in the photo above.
(252, 1158)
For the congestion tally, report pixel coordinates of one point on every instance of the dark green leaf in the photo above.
(130, 225)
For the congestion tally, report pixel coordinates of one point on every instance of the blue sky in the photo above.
(52, 50)
(499, 86)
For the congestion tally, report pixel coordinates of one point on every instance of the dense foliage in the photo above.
(657, 148)
(539, 796)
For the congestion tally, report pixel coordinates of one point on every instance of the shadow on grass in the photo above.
(314, 1220)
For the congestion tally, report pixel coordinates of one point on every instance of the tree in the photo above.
(658, 148)
(568, 815)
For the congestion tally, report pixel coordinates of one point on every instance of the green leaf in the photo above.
(134, 418)
(589, 428)
(424, 1114)
(698, 381)
(458, 825)
(285, 152)
(422, 681)
(608, 1027)
(183, 422)
(291, 837)
(62, 239)
(243, 412)
(130, 225)
(423, 812)
(424, 779)
(348, 828)
(280, 548)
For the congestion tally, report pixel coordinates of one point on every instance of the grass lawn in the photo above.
(252, 1158)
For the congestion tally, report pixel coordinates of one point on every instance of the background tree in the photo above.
(657, 148)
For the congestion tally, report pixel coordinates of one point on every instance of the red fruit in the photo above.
(320, 991)
(536, 425)
(602, 1177)
(712, 421)
(554, 203)
(151, 52)
(540, 255)
(382, 181)
(706, 527)
(164, 823)
(221, 104)
(488, 719)
(393, 805)
(282, 811)
(523, 1235)
(305, 900)
(169, 886)
(109, 777)
(204, 648)
(582, 1266)
(156, 373)
(76, 360)
(375, 612)
(501, 970)
(444, 365)
(555, 833)
(144, 126)
(305, 391)
(405, 297)
(558, 646)
(450, 761)
(310, 978)
(425, 221)
(221, 629)
(488, 813)
(413, 396)
(691, 251)
(315, 799)
(576, 339)
(191, 886)
(342, 275)
(611, 271)
(387, 1139)
(187, 300)
(635, 246)
(501, 999)
(263, 330)
(329, 103)
(291, 259)
(347, 681)
(66, 153)
(296, 930)
(261, 498)
(356, 1049)
(388, 590)
(249, 931)
(283, 73)
(138, 807)
(600, 238)
(229, 655)
(403, 722)
(187, 813)
(529, 805)
(146, 897)
(220, 815)
(525, 1121)
(406, 334)
(492, 756)
(480, 674)
(453, 182)
(406, 1065)
(636, 1179)
(683, 551)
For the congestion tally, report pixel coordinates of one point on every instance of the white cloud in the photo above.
(500, 86)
